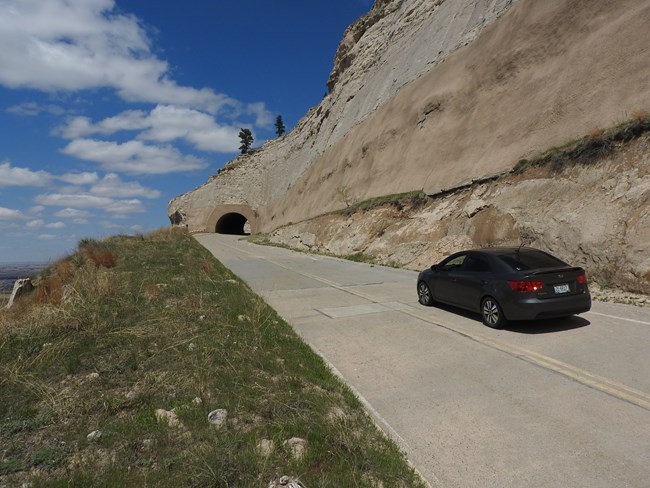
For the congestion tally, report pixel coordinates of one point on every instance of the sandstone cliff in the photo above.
(433, 95)
(386, 49)
(594, 213)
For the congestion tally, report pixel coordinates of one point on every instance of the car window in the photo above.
(453, 262)
(476, 264)
(530, 259)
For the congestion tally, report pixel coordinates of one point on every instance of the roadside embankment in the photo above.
(142, 361)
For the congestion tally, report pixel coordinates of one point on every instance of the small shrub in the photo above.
(596, 133)
(207, 266)
(66, 270)
(99, 257)
(50, 291)
(166, 234)
(152, 292)
(640, 115)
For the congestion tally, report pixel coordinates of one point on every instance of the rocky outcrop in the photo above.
(436, 95)
(595, 215)
(371, 65)
(21, 287)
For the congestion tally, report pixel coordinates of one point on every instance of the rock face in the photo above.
(433, 95)
(596, 216)
(21, 286)
(370, 66)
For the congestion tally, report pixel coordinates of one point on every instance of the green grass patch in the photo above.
(132, 325)
(589, 148)
(399, 200)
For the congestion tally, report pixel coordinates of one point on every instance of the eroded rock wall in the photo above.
(544, 73)
(433, 95)
(386, 49)
(595, 215)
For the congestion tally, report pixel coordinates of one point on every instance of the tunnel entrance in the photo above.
(233, 223)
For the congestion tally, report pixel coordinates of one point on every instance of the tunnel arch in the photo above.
(232, 223)
(232, 219)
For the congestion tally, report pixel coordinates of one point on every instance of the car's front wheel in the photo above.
(492, 313)
(424, 294)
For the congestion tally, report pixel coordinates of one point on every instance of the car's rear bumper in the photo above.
(532, 308)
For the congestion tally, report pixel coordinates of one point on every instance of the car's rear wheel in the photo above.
(492, 313)
(424, 294)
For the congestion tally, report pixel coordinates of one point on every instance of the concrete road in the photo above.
(558, 403)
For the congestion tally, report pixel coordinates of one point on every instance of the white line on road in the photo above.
(605, 385)
(620, 318)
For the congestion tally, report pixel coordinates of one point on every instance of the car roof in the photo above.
(499, 251)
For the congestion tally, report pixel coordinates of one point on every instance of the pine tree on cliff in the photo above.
(279, 126)
(246, 138)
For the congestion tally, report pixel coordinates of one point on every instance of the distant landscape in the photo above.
(10, 272)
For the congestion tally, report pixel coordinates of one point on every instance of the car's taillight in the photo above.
(524, 286)
(582, 279)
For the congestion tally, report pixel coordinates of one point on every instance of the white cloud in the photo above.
(263, 118)
(80, 178)
(79, 200)
(167, 123)
(122, 207)
(12, 176)
(133, 157)
(86, 200)
(71, 213)
(85, 44)
(47, 237)
(33, 109)
(34, 224)
(36, 209)
(10, 214)
(112, 186)
(55, 225)
(108, 225)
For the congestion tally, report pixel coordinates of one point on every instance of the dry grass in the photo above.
(99, 257)
(167, 327)
(50, 291)
(596, 133)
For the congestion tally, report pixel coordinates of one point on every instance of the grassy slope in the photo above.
(168, 328)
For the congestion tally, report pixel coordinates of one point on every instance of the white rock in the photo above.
(297, 446)
(286, 482)
(218, 417)
(265, 447)
(169, 417)
(21, 287)
(94, 435)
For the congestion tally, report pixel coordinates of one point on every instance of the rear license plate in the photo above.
(561, 288)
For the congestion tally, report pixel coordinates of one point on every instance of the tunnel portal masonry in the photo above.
(232, 219)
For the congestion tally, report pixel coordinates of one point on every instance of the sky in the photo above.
(110, 108)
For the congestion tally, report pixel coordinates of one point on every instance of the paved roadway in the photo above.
(559, 403)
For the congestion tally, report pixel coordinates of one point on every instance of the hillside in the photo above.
(142, 361)
(434, 95)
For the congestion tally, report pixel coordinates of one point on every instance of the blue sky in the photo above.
(110, 108)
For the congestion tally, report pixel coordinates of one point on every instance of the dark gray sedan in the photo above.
(504, 283)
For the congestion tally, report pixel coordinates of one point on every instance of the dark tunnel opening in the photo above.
(232, 223)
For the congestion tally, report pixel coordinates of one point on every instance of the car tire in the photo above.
(424, 294)
(492, 313)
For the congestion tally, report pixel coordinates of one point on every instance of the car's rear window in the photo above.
(529, 259)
